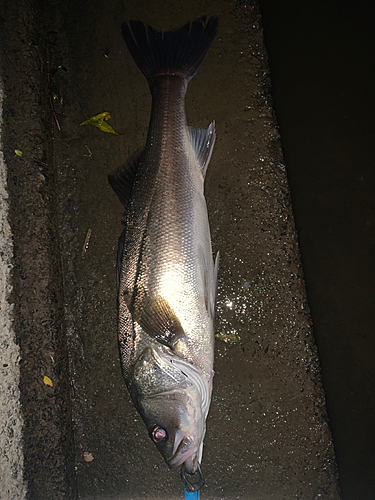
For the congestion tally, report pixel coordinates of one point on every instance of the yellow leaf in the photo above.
(100, 122)
(18, 152)
(48, 381)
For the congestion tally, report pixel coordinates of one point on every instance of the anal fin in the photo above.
(122, 178)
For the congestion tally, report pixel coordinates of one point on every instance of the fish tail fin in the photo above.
(177, 52)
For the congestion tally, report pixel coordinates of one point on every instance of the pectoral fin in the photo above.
(156, 317)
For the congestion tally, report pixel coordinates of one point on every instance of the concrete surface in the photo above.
(267, 435)
(11, 454)
(37, 306)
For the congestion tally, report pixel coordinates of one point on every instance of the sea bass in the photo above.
(167, 279)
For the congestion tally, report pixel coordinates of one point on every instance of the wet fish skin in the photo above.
(167, 279)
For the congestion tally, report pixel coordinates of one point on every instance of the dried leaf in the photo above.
(87, 456)
(100, 122)
(48, 381)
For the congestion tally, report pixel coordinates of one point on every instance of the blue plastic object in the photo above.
(195, 495)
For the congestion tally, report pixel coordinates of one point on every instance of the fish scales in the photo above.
(166, 274)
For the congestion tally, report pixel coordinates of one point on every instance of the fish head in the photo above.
(172, 397)
(176, 425)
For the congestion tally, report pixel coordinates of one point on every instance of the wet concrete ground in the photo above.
(267, 434)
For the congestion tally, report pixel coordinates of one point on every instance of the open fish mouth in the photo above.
(184, 452)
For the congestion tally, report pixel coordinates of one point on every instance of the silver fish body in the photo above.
(166, 275)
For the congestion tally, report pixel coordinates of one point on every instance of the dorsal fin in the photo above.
(216, 272)
(209, 288)
(203, 141)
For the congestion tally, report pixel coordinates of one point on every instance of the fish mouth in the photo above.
(184, 452)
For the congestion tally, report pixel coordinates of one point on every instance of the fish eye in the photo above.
(159, 434)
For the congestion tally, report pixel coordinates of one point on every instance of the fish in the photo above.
(166, 273)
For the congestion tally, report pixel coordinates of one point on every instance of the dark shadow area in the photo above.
(322, 66)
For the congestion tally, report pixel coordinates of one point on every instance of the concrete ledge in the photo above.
(38, 319)
(11, 455)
